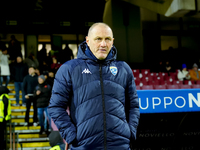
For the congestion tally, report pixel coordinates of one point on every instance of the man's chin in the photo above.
(102, 58)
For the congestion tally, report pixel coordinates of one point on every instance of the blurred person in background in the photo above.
(18, 71)
(29, 83)
(5, 68)
(183, 74)
(194, 73)
(42, 95)
(65, 54)
(55, 64)
(14, 48)
(31, 60)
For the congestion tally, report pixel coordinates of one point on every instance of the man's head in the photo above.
(41, 79)
(184, 67)
(4, 51)
(31, 70)
(195, 67)
(100, 40)
(19, 59)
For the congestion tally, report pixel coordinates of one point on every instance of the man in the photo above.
(18, 71)
(42, 94)
(5, 115)
(4, 66)
(14, 48)
(183, 74)
(29, 84)
(194, 73)
(101, 93)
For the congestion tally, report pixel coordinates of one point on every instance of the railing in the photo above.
(12, 138)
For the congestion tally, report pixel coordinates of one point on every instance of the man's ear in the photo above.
(87, 39)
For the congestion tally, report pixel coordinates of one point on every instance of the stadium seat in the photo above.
(144, 82)
(188, 82)
(137, 82)
(138, 87)
(162, 75)
(147, 87)
(156, 82)
(172, 86)
(185, 86)
(196, 86)
(198, 82)
(177, 71)
(145, 72)
(169, 80)
(136, 72)
(153, 75)
(159, 86)
(177, 82)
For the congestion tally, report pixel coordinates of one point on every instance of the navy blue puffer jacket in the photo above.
(104, 109)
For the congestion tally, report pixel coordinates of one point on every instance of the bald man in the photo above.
(101, 93)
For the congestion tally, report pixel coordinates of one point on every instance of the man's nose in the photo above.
(103, 43)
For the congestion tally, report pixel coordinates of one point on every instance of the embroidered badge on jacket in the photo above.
(113, 70)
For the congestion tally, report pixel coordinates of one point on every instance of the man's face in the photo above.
(19, 59)
(40, 80)
(100, 41)
(31, 70)
(195, 68)
(4, 52)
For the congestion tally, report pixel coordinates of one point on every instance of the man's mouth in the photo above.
(102, 50)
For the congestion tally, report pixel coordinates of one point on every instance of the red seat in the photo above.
(177, 71)
(177, 82)
(136, 72)
(188, 82)
(172, 74)
(144, 82)
(169, 80)
(172, 86)
(185, 86)
(153, 75)
(159, 86)
(138, 87)
(137, 82)
(196, 86)
(156, 82)
(145, 72)
(147, 87)
(146, 79)
(161, 80)
(198, 82)
(162, 75)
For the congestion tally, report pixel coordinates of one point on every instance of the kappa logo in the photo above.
(113, 70)
(86, 71)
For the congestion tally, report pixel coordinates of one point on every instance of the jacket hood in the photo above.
(82, 55)
(4, 90)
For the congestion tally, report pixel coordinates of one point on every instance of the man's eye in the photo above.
(98, 39)
(108, 39)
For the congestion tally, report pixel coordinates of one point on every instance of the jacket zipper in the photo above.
(103, 104)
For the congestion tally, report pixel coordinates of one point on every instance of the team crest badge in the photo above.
(113, 70)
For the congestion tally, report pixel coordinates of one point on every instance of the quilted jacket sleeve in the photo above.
(59, 101)
(132, 110)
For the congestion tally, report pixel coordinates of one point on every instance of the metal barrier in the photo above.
(12, 138)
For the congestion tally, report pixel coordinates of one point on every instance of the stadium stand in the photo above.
(145, 79)
(28, 138)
